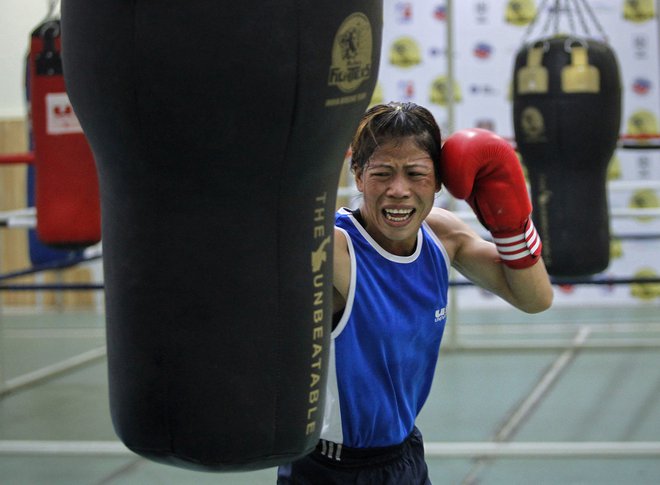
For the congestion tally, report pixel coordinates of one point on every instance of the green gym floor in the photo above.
(570, 396)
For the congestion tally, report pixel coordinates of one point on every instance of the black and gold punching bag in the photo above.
(567, 115)
(219, 130)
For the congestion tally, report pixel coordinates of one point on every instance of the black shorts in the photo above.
(395, 465)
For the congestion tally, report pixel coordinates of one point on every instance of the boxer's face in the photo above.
(398, 185)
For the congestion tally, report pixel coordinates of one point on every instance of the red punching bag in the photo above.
(66, 187)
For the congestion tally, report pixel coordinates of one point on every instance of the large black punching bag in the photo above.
(567, 112)
(219, 130)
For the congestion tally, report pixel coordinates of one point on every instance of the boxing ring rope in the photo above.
(54, 287)
(617, 212)
(26, 158)
(88, 256)
(564, 449)
(26, 218)
(605, 281)
(95, 253)
(20, 218)
(470, 449)
(471, 339)
(639, 141)
(612, 185)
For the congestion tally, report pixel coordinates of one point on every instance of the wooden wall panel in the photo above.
(13, 242)
(14, 253)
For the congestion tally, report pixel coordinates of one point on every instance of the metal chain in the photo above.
(580, 16)
(532, 24)
(591, 14)
(571, 20)
(557, 16)
(573, 9)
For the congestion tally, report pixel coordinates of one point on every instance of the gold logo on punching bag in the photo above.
(533, 125)
(544, 199)
(351, 53)
(319, 260)
(580, 76)
(320, 256)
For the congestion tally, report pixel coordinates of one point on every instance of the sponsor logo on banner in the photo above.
(437, 52)
(642, 122)
(520, 12)
(405, 52)
(648, 291)
(614, 168)
(644, 165)
(377, 96)
(406, 90)
(616, 248)
(638, 10)
(440, 12)
(481, 12)
(440, 91)
(640, 44)
(482, 50)
(483, 89)
(644, 199)
(641, 86)
(404, 12)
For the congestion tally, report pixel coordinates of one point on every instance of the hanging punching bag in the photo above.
(39, 252)
(567, 112)
(219, 131)
(66, 186)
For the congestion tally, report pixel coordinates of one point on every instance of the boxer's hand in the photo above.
(482, 169)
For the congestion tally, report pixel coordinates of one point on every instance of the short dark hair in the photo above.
(386, 122)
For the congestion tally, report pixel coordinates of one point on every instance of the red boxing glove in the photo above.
(481, 168)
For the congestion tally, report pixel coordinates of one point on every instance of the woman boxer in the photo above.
(391, 265)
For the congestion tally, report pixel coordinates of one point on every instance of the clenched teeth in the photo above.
(398, 215)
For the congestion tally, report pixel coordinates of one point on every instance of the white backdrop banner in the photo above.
(486, 37)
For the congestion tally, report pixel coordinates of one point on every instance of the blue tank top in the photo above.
(384, 349)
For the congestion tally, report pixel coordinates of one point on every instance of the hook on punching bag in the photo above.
(567, 114)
